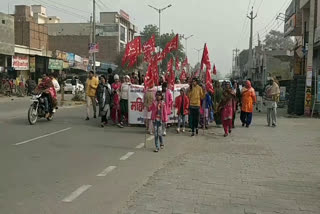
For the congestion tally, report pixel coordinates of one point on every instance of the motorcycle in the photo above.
(37, 109)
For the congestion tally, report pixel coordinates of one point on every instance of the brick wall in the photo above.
(6, 34)
(109, 46)
(31, 34)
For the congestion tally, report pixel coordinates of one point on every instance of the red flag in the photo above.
(185, 63)
(171, 46)
(209, 85)
(183, 76)
(149, 46)
(149, 79)
(214, 70)
(205, 58)
(171, 76)
(177, 64)
(133, 61)
(133, 50)
(197, 73)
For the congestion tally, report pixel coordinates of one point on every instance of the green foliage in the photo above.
(275, 40)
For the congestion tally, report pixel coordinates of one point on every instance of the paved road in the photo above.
(52, 167)
(72, 166)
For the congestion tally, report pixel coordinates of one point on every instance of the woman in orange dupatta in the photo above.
(248, 100)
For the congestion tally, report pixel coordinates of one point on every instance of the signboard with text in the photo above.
(136, 103)
(55, 64)
(20, 63)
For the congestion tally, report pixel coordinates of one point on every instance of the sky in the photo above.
(222, 24)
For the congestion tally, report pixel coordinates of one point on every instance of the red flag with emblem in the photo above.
(133, 50)
(171, 46)
(205, 58)
(148, 48)
(149, 79)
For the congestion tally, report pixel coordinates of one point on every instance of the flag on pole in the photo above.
(205, 58)
(177, 64)
(148, 48)
(209, 85)
(133, 50)
(183, 76)
(149, 78)
(171, 46)
(214, 70)
(185, 63)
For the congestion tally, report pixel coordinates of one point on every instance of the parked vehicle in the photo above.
(73, 85)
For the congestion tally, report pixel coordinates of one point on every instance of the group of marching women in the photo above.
(195, 104)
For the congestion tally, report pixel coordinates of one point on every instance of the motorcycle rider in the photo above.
(47, 88)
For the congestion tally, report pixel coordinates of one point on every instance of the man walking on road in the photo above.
(272, 94)
(91, 88)
(196, 94)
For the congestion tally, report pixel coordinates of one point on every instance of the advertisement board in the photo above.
(55, 64)
(20, 62)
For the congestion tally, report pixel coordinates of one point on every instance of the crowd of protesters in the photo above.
(195, 104)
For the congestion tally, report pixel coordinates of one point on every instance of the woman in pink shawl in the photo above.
(228, 107)
(115, 112)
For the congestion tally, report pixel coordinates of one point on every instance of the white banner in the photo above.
(136, 107)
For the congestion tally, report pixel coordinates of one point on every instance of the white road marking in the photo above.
(150, 138)
(43, 136)
(106, 171)
(76, 193)
(126, 156)
(141, 145)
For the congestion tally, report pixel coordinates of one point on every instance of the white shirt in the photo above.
(125, 91)
(56, 85)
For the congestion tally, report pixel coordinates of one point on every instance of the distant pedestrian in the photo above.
(168, 99)
(237, 101)
(228, 108)
(248, 100)
(272, 96)
(149, 97)
(216, 103)
(159, 117)
(195, 95)
(124, 99)
(91, 88)
(104, 97)
(116, 110)
(182, 105)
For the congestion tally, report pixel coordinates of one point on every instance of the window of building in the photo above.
(122, 33)
(3, 21)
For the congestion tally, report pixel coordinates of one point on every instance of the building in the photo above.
(39, 14)
(6, 41)
(112, 34)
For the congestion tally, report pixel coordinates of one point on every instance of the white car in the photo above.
(68, 87)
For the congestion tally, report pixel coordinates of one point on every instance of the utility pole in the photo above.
(308, 91)
(91, 35)
(94, 34)
(250, 60)
(235, 61)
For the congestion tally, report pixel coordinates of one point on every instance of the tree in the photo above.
(148, 31)
(275, 40)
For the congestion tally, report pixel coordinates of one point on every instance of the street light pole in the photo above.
(186, 40)
(159, 10)
(198, 53)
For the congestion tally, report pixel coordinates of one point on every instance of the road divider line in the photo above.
(126, 156)
(76, 193)
(141, 145)
(150, 138)
(106, 171)
(43, 136)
